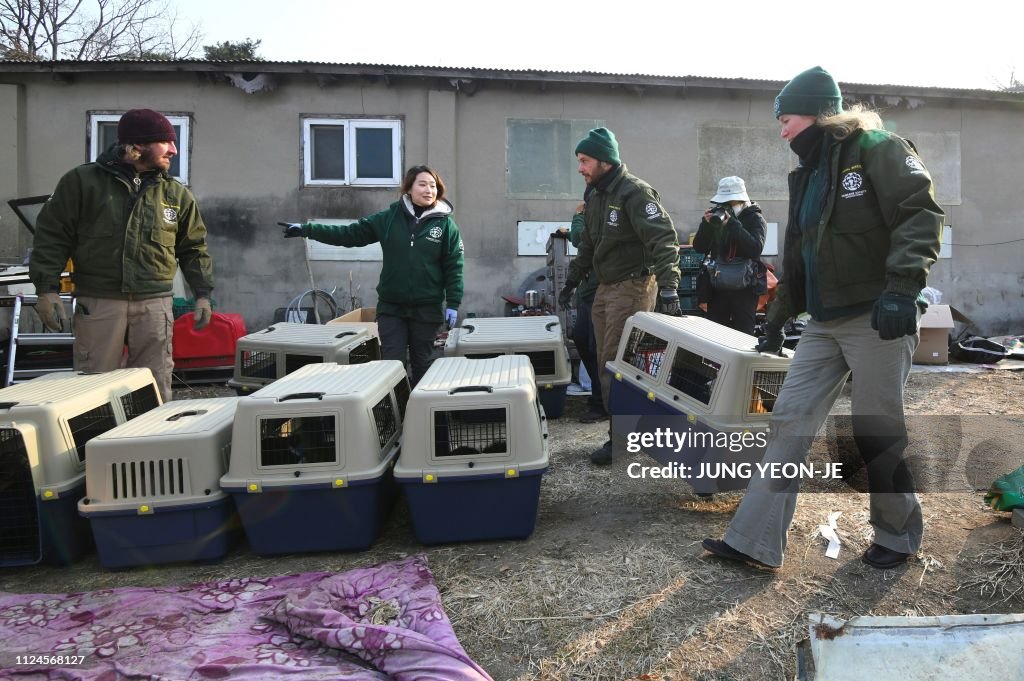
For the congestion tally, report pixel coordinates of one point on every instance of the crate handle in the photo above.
(183, 414)
(471, 389)
(301, 396)
(470, 328)
(345, 333)
(269, 329)
(7, 405)
(550, 325)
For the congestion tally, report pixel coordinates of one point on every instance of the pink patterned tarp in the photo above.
(368, 624)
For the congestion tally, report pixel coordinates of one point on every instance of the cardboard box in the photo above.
(936, 324)
(363, 316)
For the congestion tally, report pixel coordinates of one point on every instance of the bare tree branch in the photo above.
(94, 29)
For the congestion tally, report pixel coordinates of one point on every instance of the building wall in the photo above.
(246, 171)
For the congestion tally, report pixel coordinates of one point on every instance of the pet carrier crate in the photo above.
(44, 426)
(153, 485)
(475, 449)
(694, 368)
(537, 338)
(265, 356)
(312, 454)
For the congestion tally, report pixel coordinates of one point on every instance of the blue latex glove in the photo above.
(894, 315)
(291, 229)
(450, 317)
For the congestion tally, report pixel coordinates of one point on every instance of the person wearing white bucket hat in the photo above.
(731, 233)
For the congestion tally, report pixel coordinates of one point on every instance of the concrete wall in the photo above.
(246, 171)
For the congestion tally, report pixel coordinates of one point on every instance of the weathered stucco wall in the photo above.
(246, 170)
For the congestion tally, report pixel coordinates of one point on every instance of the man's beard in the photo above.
(151, 160)
(596, 176)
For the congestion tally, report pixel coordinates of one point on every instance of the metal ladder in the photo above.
(12, 374)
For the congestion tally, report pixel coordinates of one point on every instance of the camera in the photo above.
(719, 212)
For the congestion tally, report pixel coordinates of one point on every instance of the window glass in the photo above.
(356, 151)
(328, 152)
(540, 157)
(374, 152)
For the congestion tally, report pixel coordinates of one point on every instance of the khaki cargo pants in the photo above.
(103, 326)
(613, 304)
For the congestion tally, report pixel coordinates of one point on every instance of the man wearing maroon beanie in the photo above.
(127, 226)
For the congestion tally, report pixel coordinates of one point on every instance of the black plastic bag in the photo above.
(978, 350)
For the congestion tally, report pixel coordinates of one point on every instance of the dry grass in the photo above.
(614, 586)
(999, 571)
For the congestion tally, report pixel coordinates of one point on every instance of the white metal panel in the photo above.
(533, 236)
(952, 647)
(320, 251)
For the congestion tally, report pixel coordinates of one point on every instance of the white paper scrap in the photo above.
(829, 532)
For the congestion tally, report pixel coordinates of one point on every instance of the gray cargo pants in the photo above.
(826, 354)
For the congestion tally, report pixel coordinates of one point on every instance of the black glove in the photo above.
(668, 302)
(894, 315)
(565, 297)
(772, 339)
(291, 229)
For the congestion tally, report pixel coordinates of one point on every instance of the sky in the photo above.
(970, 45)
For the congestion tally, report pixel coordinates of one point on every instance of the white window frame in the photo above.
(183, 144)
(351, 125)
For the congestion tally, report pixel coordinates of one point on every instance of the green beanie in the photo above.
(810, 93)
(600, 143)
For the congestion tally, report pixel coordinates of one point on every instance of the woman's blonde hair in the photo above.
(843, 124)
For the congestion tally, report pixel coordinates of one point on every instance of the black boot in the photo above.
(602, 456)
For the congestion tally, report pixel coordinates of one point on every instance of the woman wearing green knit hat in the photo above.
(863, 232)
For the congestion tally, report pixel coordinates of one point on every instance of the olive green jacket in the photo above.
(125, 233)
(879, 229)
(628, 234)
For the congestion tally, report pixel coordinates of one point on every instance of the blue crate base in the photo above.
(194, 533)
(626, 399)
(635, 412)
(305, 519)
(65, 534)
(473, 508)
(552, 399)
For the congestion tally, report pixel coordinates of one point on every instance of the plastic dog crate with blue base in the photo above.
(44, 426)
(538, 338)
(475, 449)
(693, 367)
(153, 485)
(311, 457)
(264, 356)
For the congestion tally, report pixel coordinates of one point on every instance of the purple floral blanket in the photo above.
(383, 622)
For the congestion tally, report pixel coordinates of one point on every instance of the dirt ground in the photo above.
(614, 585)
